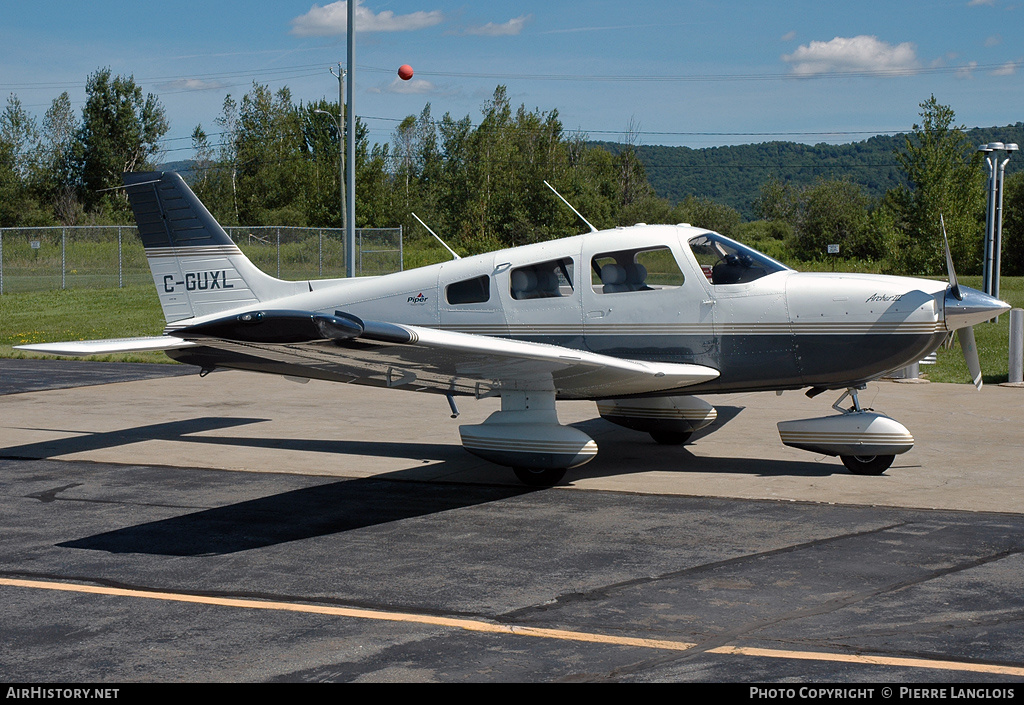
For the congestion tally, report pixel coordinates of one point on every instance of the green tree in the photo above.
(18, 146)
(835, 212)
(778, 200)
(271, 169)
(320, 148)
(705, 213)
(945, 178)
(120, 132)
(18, 130)
(57, 177)
(828, 212)
(1013, 225)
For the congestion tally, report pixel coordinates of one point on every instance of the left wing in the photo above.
(427, 359)
(345, 348)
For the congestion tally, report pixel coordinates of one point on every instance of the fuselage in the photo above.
(668, 293)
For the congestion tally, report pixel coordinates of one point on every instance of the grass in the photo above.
(992, 339)
(81, 314)
(85, 314)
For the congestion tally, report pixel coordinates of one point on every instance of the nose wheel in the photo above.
(866, 442)
(539, 477)
(867, 464)
(671, 438)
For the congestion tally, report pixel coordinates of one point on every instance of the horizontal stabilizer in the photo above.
(80, 348)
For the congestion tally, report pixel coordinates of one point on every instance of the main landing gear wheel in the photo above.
(537, 477)
(867, 464)
(671, 438)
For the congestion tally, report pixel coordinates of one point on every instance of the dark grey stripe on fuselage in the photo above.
(758, 362)
(746, 363)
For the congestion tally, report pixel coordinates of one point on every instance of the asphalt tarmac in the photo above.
(244, 528)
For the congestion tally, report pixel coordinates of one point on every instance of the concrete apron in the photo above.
(968, 453)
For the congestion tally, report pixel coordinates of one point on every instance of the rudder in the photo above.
(196, 267)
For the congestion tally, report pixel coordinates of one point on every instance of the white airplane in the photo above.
(638, 319)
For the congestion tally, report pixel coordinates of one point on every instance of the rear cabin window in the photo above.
(470, 291)
(542, 280)
(635, 270)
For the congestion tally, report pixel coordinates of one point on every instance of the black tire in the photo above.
(867, 464)
(536, 477)
(671, 438)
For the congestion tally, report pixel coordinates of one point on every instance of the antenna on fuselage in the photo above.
(454, 256)
(592, 228)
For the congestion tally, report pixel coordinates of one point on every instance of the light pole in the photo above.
(341, 160)
(994, 152)
(350, 121)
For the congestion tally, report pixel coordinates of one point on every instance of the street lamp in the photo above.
(993, 152)
(341, 159)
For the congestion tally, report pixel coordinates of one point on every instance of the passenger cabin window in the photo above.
(635, 270)
(543, 280)
(470, 291)
(726, 261)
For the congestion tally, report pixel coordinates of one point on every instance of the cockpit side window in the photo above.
(543, 280)
(635, 270)
(471, 291)
(726, 261)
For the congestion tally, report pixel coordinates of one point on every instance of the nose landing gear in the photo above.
(866, 442)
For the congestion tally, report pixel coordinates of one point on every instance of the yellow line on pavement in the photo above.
(472, 625)
(937, 664)
(475, 625)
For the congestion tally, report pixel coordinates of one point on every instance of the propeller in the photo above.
(970, 351)
(954, 286)
(963, 307)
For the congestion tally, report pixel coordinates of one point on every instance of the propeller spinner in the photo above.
(962, 308)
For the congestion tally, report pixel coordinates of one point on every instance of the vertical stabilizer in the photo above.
(196, 267)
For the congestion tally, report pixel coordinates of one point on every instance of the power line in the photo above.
(709, 78)
(304, 70)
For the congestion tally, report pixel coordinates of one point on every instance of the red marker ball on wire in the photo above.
(405, 72)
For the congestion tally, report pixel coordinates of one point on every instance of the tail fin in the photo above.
(196, 267)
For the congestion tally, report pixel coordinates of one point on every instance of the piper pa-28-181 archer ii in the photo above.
(638, 319)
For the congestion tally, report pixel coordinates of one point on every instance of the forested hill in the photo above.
(733, 175)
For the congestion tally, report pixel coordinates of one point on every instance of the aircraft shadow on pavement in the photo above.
(305, 513)
(624, 451)
(345, 505)
(169, 431)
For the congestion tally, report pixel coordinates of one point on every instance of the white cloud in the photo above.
(994, 40)
(412, 86)
(967, 70)
(973, 3)
(853, 54)
(1007, 69)
(192, 84)
(505, 29)
(789, 36)
(333, 19)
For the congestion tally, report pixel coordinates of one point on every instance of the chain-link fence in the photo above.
(37, 259)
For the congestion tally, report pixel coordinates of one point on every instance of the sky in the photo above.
(696, 73)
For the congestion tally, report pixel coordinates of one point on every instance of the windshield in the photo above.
(726, 261)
